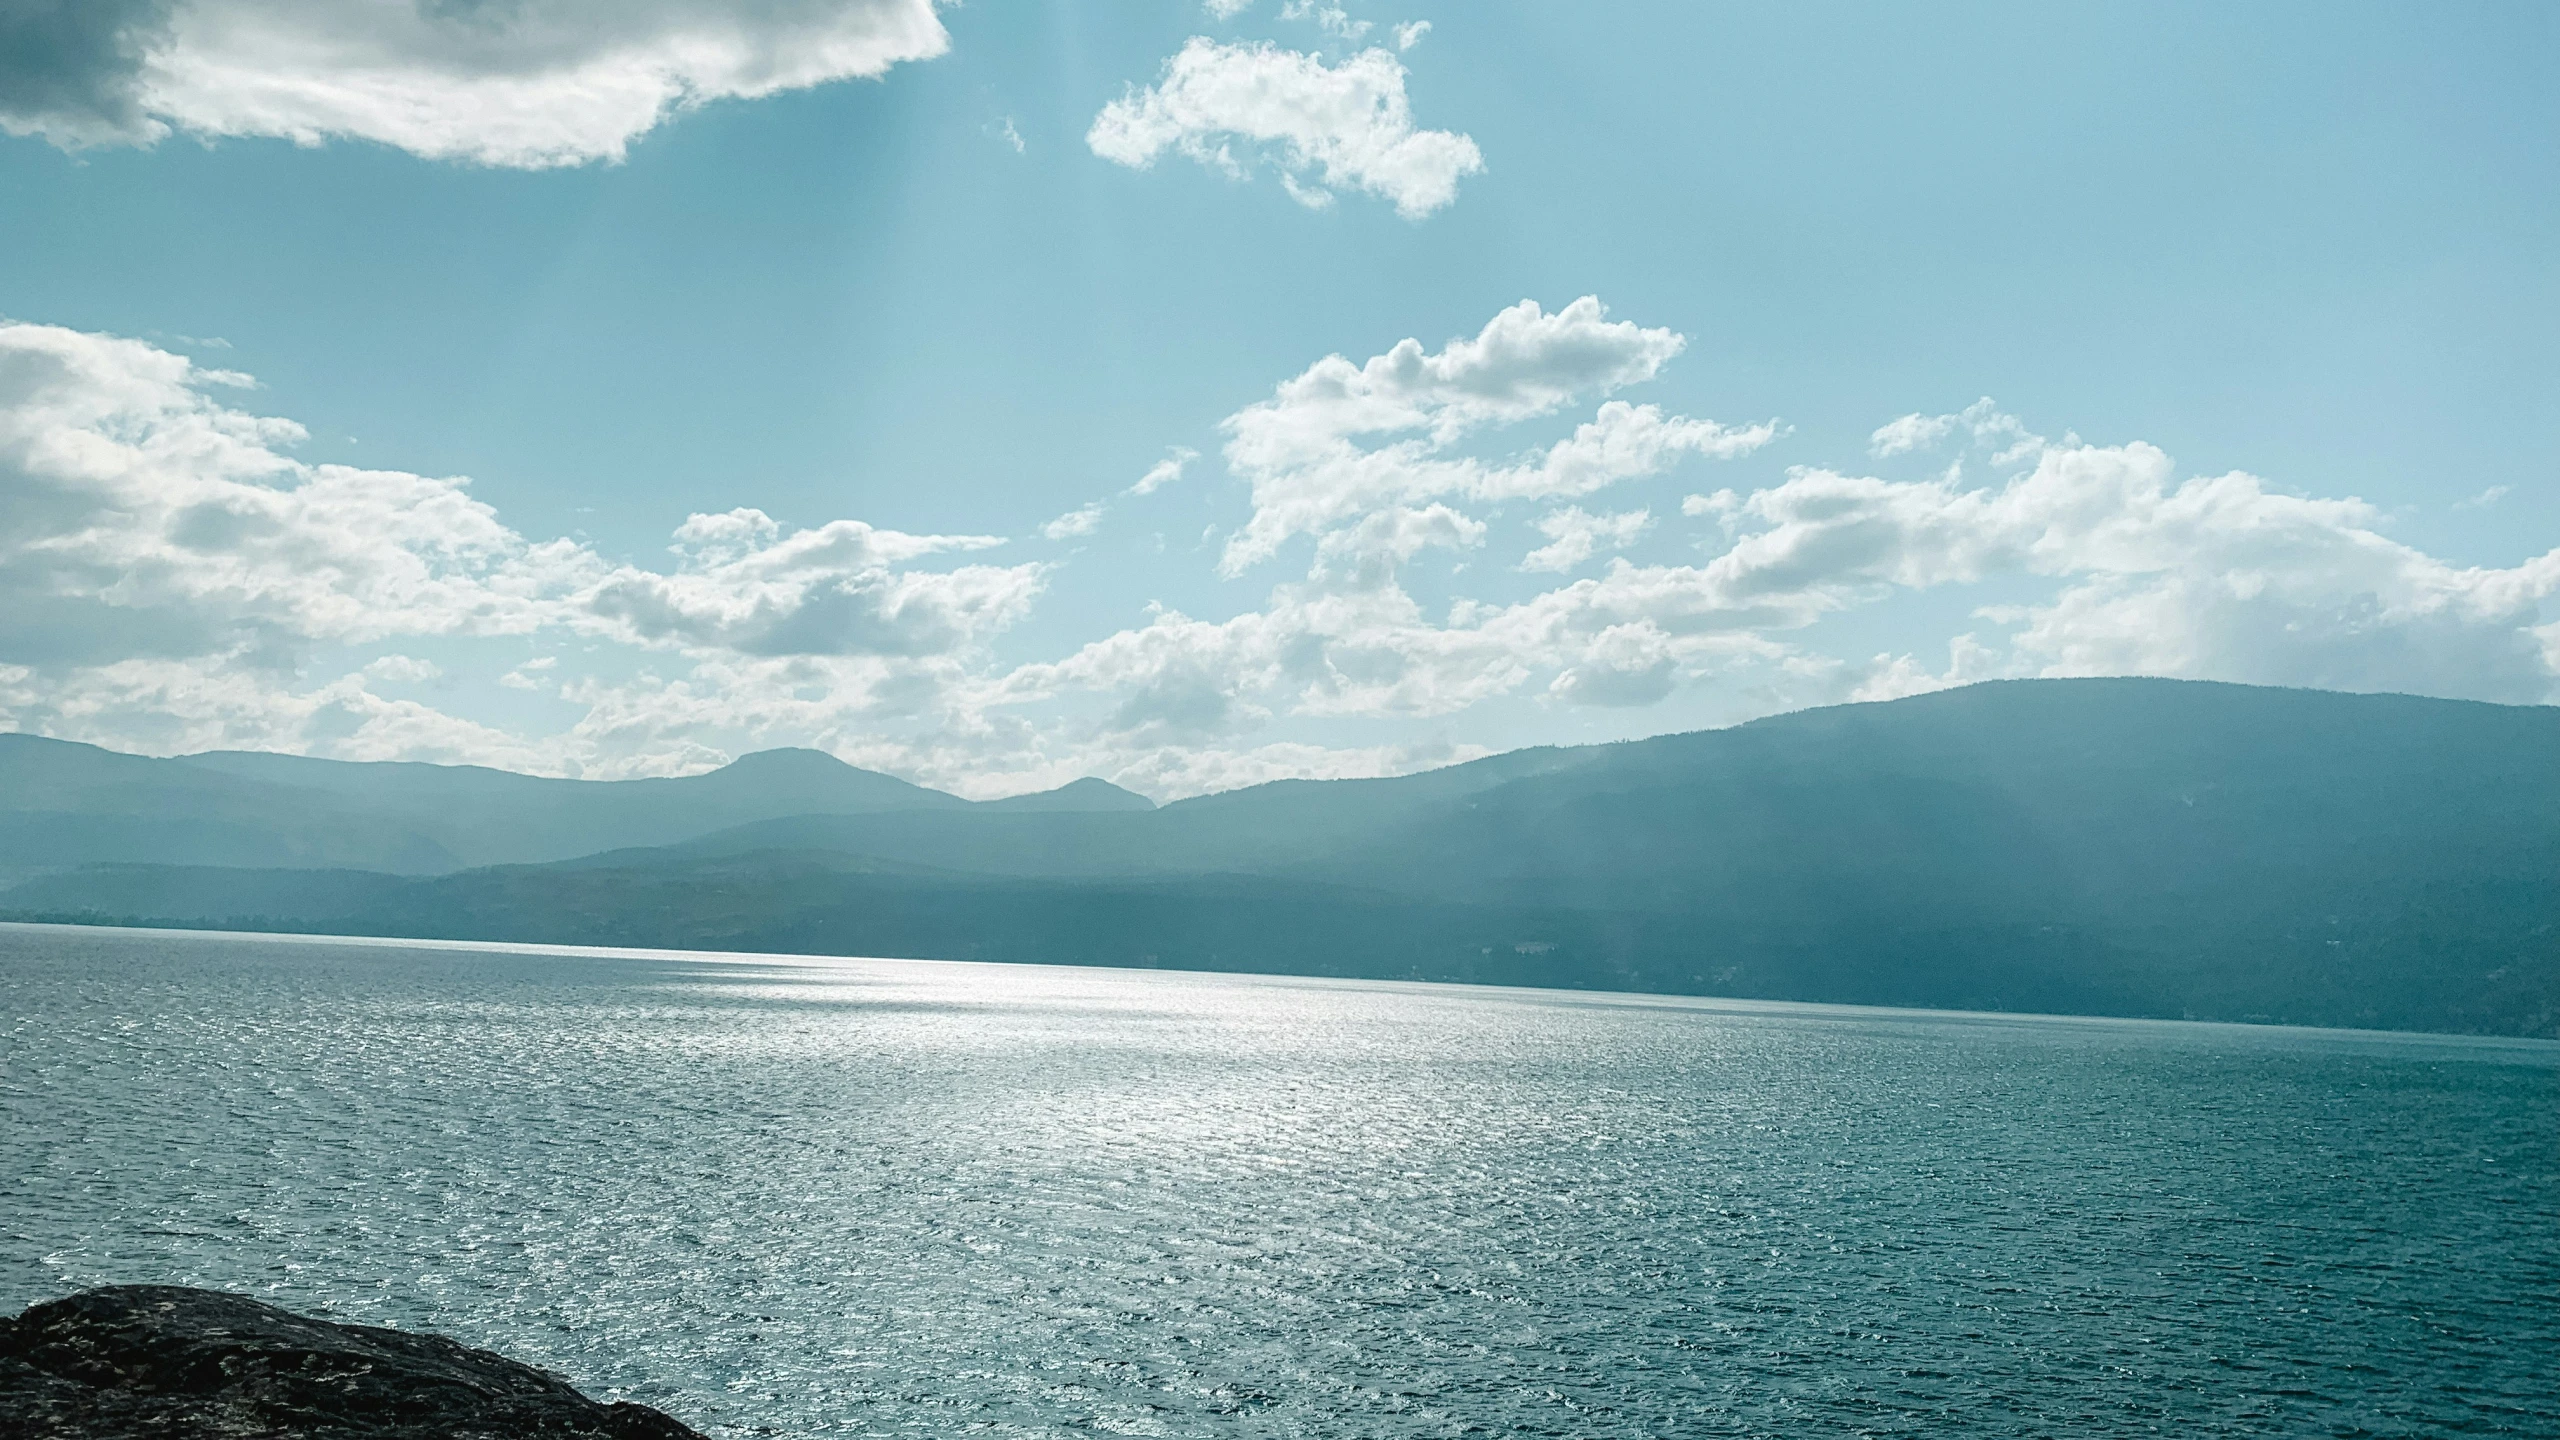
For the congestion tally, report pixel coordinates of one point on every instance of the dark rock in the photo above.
(178, 1364)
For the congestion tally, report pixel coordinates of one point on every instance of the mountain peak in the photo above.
(815, 781)
(788, 760)
(1087, 794)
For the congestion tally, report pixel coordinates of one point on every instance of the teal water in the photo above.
(906, 1198)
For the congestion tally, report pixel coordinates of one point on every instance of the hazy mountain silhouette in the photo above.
(63, 803)
(2133, 847)
(1087, 794)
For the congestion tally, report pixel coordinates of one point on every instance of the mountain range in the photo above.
(2119, 847)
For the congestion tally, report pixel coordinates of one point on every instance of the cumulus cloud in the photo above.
(1368, 460)
(170, 574)
(173, 578)
(140, 516)
(747, 584)
(1331, 650)
(2214, 577)
(2142, 572)
(1911, 432)
(180, 706)
(1341, 442)
(1984, 422)
(1321, 127)
(1574, 535)
(72, 69)
(520, 83)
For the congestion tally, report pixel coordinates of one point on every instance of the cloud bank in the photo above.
(173, 578)
(517, 83)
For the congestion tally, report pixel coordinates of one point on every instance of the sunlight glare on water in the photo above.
(909, 1198)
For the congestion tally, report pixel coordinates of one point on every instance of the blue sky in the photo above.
(2308, 246)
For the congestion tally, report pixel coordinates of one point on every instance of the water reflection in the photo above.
(856, 1197)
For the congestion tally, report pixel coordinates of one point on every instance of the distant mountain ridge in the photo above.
(2135, 847)
(65, 803)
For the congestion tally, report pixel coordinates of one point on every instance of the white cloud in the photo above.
(1619, 442)
(1087, 518)
(1574, 535)
(1911, 432)
(532, 674)
(1362, 458)
(1083, 520)
(1343, 650)
(748, 585)
(1164, 472)
(1410, 34)
(1984, 423)
(1343, 441)
(139, 516)
(521, 83)
(170, 576)
(2485, 498)
(1345, 126)
(404, 670)
(165, 706)
(2215, 577)
(1180, 682)
(1225, 9)
(1331, 19)
(1893, 677)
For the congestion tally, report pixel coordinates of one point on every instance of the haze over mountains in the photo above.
(2130, 847)
(68, 803)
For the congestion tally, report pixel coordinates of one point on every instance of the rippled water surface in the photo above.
(890, 1197)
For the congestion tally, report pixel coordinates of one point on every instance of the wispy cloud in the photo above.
(1081, 521)
(1332, 19)
(1164, 472)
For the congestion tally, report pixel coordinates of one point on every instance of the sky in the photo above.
(1200, 394)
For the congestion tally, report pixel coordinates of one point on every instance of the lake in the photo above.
(879, 1197)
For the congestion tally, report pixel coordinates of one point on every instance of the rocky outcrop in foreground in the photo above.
(169, 1363)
